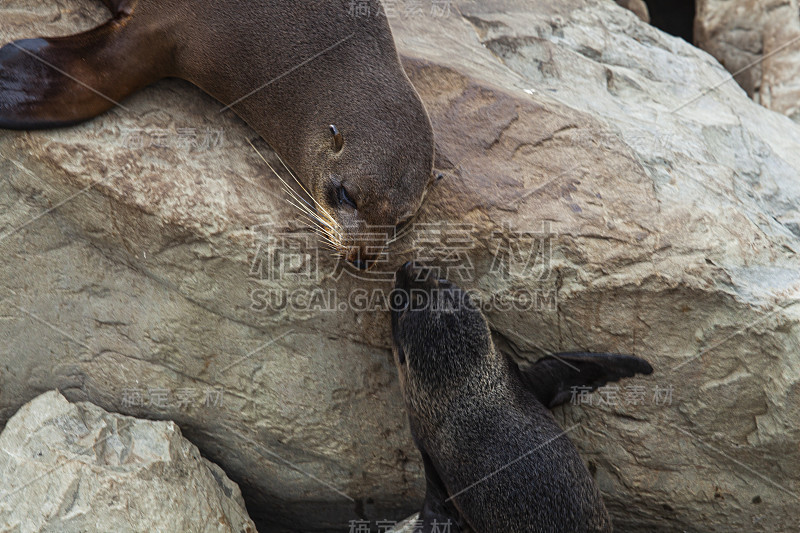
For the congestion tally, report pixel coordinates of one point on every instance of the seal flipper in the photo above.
(52, 82)
(437, 513)
(551, 378)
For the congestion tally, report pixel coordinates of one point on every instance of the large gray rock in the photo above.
(661, 213)
(759, 42)
(76, 468)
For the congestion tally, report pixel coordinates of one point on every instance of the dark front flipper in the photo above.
(552, 378)
(47, 83)
(437, 515)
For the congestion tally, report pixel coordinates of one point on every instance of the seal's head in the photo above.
(324, 87)
(367, 143)
(439, 335)
(375, 177)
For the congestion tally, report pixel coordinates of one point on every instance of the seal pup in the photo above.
(320, 83)
(495, 459)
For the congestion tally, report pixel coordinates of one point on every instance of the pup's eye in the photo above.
(344, 198)
(338, 139)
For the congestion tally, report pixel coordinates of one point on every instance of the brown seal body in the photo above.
(495, 459)
(290, 68)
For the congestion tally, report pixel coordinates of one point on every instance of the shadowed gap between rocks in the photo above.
(675, 17)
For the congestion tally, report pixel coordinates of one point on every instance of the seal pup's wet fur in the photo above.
(495, 459)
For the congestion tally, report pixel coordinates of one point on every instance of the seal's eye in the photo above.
(344, 198)
(338, 139)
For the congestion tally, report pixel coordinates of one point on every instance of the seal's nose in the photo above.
(409, 269)
(413, 274)
(359, 258)
(404, 275)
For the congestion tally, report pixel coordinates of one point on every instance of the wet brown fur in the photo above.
(231, 48)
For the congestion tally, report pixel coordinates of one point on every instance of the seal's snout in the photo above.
(412, 275)
(403, 275)
(417, 277)
(360, 258)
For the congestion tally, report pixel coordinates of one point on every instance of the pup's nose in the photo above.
(361, 264)
(403, 275)
(412, 273)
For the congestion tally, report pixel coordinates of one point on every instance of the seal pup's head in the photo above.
(439, 334)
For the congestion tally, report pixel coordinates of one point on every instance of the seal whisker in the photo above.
(323, 235)
(402, 233)
(332, 225)
(300, 208)
(62, 82)
(303, 208)
(294, 194)
(285, 184)
(312, 224)
(320, 207)
(315, 224)
(314, 221)
(322, 232)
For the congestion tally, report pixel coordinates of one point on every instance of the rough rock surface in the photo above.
(637, 6)
(673, 225)
(76, 468)
(741, 32)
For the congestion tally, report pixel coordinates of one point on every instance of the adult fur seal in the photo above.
(321, 84)
(494, 457)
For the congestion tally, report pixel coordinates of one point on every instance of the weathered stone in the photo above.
(780, 72)
(671, 204)
(638, 7)
(76, 468)
(759, 42)
(407, 526)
